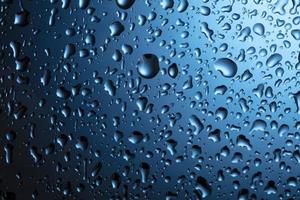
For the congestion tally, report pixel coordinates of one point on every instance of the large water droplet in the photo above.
(226, 67)
(148, 66)
(125, 4)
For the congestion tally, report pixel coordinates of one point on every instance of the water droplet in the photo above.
(226, 67)
(148, 66)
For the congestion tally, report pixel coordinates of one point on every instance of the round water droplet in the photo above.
(259, 29)
(182, 6)
(227, 67)
(125, 4)
(167, 4)
(116, 28)
(148, 66)
(83, 4)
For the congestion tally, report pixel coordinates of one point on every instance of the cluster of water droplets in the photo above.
(129, 99)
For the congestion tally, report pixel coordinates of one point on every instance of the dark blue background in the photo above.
(51, 175)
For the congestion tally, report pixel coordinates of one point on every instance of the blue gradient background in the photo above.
(49, 182)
